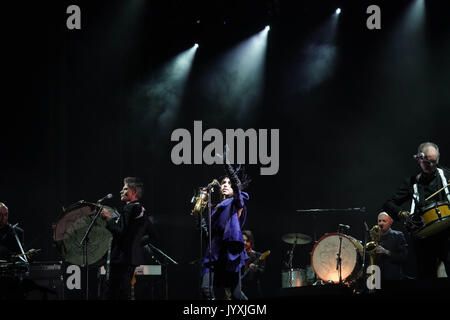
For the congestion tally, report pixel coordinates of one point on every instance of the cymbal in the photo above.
(296, 238)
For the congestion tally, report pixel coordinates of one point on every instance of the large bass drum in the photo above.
(71, 228)
(324, 258)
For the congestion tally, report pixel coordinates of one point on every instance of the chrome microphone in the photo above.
(108, 196)
(419, 155)
(347, 227)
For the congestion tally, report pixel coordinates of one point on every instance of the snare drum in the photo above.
(293, 278)
(324, 258)
(430, 220)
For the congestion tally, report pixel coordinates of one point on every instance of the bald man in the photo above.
(392, 250)
(8, 241)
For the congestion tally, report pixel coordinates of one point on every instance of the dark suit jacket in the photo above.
(128, 232)
(426, 186)
(8, 242)
(391, 266)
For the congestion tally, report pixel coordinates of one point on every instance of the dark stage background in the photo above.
(77, 117)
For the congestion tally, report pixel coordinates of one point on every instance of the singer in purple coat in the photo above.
(228, 256)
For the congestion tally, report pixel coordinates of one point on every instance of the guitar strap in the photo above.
(416, 192)
(415, 199)
(444, 182)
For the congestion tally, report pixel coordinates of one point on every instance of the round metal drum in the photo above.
(325, 253)
(71, 228)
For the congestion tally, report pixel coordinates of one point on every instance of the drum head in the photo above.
(325, 253)
(71, 228)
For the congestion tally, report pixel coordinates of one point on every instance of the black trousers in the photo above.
(430, 251)
(221, 284)
(118, 287)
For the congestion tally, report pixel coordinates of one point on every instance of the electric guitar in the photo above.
(257, 261)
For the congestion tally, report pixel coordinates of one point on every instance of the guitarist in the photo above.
(253, 269)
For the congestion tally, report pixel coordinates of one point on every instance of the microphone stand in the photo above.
(210, 241)
(24, 258)
(362, 209)
(339, 260)
(200, 261)
(84, 242)
(364, 252)
(167, 260)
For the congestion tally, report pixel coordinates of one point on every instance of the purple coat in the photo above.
(227, 243)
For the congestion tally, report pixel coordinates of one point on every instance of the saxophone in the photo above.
(200, 202)
(371, 246)
(202, 199)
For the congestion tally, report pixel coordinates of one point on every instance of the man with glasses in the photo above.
(417, 193)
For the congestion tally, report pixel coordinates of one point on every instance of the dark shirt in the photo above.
(8, 242)
(426, 186)
(391, 265)
(253, 275)
(128, 231)
(251, 279)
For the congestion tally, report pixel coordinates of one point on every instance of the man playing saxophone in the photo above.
(391, 251)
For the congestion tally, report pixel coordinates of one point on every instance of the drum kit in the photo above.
(336, 258)
(295, 277)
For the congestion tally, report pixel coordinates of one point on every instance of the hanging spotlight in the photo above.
(338, 10)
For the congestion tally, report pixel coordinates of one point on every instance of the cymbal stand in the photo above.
(291, 256)
(84, 242)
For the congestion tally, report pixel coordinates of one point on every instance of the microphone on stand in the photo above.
(344, 226)
(108, 196)
(419, 155)
(213, 184)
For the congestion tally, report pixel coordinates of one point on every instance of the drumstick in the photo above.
(437, 192)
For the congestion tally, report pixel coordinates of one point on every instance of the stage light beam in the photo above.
(236, 82)
(319, 55)
(166, 88)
